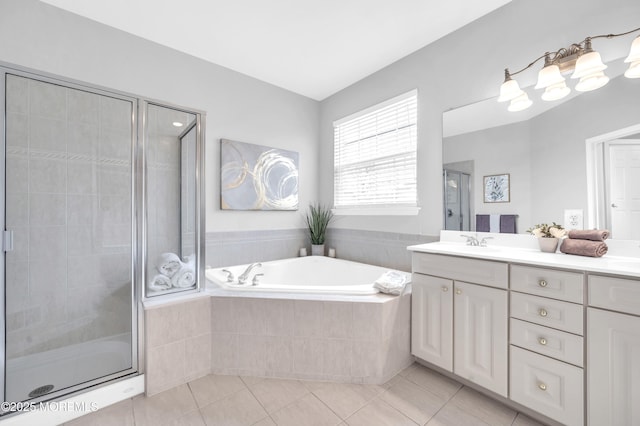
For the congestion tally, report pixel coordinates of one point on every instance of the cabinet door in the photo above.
(481, 335)
(613, 369)
(432, 320)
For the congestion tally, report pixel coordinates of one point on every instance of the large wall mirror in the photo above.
(577, 159)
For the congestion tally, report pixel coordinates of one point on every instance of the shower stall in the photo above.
(96, 185)
(457, 196)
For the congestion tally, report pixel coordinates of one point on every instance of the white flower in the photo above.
(537, 233)
(557, 233)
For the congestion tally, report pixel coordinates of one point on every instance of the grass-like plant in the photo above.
(318, 219)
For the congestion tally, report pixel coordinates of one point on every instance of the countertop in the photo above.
(614, 265)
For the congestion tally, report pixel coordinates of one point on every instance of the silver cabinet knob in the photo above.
(445, 288)
(542, 341)
(542, 283)
(543, 312)
(458, 291)
(542, 386)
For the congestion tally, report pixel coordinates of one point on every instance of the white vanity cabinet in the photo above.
(458, 324)
(613, 351)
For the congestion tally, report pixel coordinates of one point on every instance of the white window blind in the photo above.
(375, 156)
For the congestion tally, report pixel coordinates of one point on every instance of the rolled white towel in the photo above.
(159, 283)
(391, 282)
(184, 278)
(168, 264)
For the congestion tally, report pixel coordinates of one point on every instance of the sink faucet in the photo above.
(471, 240)
(245, 275)
(483, 242)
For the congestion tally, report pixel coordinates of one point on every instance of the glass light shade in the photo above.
(592, 82)
(634, 53)
(520, 103)
(555, 92)
(509, 90)
(549, 76)
(634, 70)
(588, 64)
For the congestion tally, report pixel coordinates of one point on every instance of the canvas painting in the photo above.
(256, 177)
(496, 189)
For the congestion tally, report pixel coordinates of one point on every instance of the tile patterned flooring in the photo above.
(416, 396)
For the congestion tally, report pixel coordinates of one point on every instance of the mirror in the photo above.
(544, 152)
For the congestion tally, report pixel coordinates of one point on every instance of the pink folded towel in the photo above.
(584, 247)
(589, 234)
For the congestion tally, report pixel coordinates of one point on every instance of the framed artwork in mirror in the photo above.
(497, 189)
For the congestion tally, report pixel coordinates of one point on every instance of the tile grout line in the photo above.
(443, 405)
(194, 400)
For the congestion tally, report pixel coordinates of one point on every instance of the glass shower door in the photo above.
(457, 208)
(68, 272)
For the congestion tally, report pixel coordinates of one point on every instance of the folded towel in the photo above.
(391, 282)
(159, 283)
(584, 247)
(482, 223)
(589, 234)
(508, 223)
(184, 278)
(168, 264)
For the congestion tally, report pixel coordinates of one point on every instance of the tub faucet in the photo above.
(245, 275)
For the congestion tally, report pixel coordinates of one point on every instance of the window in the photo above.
(375, 159)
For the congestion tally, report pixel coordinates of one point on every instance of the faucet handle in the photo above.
(483, 242)
(471, 240)
(256, 279)
(230, 276)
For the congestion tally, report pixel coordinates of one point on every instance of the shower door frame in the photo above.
(137, 361)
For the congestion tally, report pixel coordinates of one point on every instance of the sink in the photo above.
(463, 248)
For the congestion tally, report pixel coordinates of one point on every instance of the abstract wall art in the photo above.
(256, 177)
(497, 189)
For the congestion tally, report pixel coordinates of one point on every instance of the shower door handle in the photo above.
(7, 240)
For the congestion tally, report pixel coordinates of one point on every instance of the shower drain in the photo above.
(40, 391)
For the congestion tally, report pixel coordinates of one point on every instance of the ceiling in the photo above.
(311, 47)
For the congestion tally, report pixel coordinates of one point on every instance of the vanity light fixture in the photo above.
(580, 58)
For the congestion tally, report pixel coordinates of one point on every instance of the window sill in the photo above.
(376, 211)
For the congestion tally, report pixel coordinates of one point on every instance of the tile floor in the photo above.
(416, 396)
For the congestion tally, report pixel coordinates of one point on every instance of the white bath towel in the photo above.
(168, 264)
(160, 282)
(391, 282)
(184, 278)
(494, 223)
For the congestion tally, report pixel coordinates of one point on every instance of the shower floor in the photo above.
(66, 367)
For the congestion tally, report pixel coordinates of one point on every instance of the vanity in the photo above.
(554, 333)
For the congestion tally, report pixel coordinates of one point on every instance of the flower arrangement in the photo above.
(544, 230)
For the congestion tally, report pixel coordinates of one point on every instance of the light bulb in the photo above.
(592, 82)
(555, 92)
(520, 103)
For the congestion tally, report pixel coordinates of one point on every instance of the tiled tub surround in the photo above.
(386, 249)
(354, 339)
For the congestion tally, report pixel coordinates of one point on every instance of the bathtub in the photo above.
(313, 274)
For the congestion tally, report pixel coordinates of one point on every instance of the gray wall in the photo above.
(465, 67)
(42, 37)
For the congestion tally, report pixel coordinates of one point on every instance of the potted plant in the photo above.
(548, 235)
(318, 219)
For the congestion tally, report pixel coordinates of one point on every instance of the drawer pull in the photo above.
(542, 341)
(542, 386)
(458, 291)
(445, 288)
(542, 283)
(543, 312)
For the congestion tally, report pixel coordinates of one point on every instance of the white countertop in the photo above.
(509, 250)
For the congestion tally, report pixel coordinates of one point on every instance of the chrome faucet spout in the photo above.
(471, 240)
(245, 275)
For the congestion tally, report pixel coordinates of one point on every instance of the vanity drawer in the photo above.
(547, 341)
(494, 274)
(550, 387)
(548, 312)
(548, 283)
(617, 294)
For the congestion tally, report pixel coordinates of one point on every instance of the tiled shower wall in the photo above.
(68, 202)
(376, 248)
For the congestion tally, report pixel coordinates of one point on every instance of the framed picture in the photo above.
(257, 177)
(496, 189)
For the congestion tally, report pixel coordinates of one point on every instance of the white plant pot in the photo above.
(317, 249)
